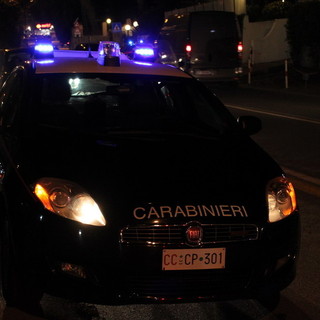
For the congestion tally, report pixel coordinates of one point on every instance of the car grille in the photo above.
(164, 234)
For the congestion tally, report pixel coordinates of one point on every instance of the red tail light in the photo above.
(188, 48)
(240, 47)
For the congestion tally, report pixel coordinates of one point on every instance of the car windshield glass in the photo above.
(128, 103)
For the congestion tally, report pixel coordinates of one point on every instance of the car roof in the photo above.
(72, 61)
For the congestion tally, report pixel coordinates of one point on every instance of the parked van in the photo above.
(207, 44)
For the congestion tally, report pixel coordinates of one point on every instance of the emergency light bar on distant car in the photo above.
(43, 50)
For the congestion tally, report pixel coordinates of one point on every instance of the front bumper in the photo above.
(95, 269)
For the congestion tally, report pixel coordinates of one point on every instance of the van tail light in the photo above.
(240, 47)
(188, 51)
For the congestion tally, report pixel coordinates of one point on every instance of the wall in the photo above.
(267, 40)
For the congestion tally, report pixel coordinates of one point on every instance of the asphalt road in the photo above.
(291, 134)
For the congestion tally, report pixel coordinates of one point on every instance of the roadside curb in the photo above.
(273, 76)
(303, 182)
(289, 91)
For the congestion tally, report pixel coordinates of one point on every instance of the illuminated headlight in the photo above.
(68, 200)
(281, 199)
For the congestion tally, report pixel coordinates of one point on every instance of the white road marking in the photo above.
(274, 114)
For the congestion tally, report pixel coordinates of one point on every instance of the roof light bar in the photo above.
(144, 53)
(109, 53)
(43, 50)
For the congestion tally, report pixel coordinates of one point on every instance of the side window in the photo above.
(10, 98)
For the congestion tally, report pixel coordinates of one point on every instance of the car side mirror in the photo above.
(250, 124)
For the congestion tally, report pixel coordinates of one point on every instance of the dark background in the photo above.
(15, 14)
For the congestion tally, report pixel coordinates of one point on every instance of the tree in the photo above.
(303, 29)
(261, 10)
(13, 15)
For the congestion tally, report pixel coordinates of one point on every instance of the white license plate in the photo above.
(193, 259)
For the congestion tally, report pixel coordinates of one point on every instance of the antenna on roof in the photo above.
(89, 49)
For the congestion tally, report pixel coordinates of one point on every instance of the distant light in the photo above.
(240, 47)
(44, 26)
(188, 48)
(74, 83)
(108, 21)
(127, 27)
(135, 24)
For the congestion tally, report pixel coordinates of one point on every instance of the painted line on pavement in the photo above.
(279, 115)
(305, 187)
(302, 176)
(303, 182)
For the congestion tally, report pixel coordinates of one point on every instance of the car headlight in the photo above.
(69, 200)
(281, 199)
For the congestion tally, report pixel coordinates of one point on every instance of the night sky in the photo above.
(149, 13)
(91, 13)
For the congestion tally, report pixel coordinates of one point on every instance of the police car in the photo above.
(125, 181)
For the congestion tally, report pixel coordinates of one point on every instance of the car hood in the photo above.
(146, 177)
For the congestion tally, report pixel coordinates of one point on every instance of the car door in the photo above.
(11, 96)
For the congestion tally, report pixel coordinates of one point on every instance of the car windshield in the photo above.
(124, 103)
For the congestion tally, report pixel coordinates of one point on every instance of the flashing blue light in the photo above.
(143, 63)
(49, 61)
(44, 48)
(145, 52)
(130, 43)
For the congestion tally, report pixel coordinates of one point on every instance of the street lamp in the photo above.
(127, 29)
(106, 27)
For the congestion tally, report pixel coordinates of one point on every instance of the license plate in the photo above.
(193, 259)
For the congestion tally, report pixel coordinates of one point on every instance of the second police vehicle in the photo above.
(125, 181)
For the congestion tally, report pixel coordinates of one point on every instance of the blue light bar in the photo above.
(145, 52)
(44, 48)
